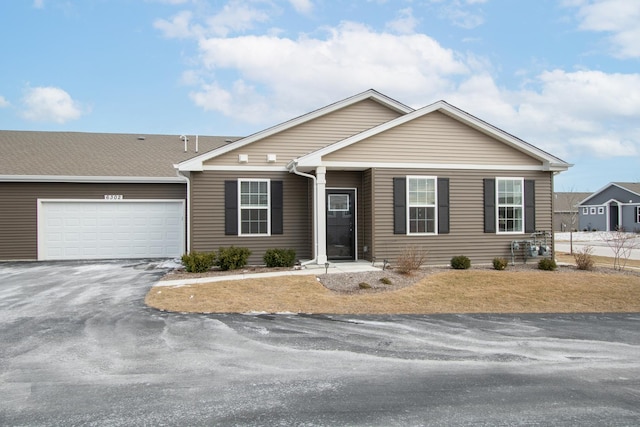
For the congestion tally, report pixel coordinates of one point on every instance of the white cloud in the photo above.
(462, 13)
(619, 18)
(38, 4)
(405, 23)
(3, 102)
(50, 104)
(235, 16)
(302, 6)
(311, 71)
(565, 113)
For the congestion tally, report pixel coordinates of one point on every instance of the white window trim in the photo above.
(585, 210)
(240, 208)
(600, 210)
(435, 205)
(638, 214)
(592, 210)
(522, 221)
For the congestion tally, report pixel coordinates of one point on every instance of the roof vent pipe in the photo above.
(196, 143)
(185, 139)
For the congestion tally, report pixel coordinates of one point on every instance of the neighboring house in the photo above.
(364, 178)
(616, 206)
(565, 210)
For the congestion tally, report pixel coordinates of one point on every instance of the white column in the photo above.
(321, 210)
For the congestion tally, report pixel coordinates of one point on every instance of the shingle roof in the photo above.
(634, 187)
(28, 153)
(564, 200)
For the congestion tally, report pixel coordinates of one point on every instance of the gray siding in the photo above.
(612, 193)
(18, 213)
(466, 235)
(207, 215)
(433, 138)
(313, 135)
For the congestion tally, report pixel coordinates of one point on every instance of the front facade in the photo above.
(365, 178)
(368, 178)
(614, 207)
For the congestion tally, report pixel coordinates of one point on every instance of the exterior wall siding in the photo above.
(433, 138)
(310, 136)
(466, 235)
(18, 223)
(207, 215)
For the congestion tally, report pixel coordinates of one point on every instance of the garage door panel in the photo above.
(110, 229)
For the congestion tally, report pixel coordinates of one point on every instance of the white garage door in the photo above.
(105, 229)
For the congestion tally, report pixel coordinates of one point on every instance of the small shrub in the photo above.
(500, 263)
(198, 262)
(385, 281)
(364, 285)
(411, 260)
(460, 262)
(584, 259)
(547, 264)
(279, 257)
(232, 258)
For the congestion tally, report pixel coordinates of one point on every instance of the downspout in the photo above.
(188, 219)
(292, 168)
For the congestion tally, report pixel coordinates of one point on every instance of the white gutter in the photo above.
(92, 179)
(186, 179)
(292, 168)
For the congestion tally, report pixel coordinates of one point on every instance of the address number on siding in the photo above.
(113, 197)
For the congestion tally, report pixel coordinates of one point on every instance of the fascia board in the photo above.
(93, 179)
(195, 164)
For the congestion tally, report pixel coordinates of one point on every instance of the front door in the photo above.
(341, 224)
(613, 217)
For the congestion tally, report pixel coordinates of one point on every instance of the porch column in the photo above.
(321, 211)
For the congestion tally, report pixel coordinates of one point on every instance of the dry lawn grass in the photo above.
(451, 291)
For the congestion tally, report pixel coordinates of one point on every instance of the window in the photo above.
(592, 210)
(600, 210)
(440, 199)
(510, 201)
(254, 206)
(421, 194)
(637, 213)
(585, 211)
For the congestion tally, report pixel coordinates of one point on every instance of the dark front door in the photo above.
(613, 217)
(341, 224)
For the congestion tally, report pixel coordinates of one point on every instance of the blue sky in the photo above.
(563, 75)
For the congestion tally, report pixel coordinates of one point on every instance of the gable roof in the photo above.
(632, 187)
(549, 161)
(195, 164)
(79, 156)
(564, 200)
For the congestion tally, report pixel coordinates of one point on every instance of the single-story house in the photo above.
(364, 178)
(565, 210)
(616, 206)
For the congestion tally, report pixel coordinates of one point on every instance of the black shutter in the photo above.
(399, 206)
(443, 205)
(231, 208)
(529, 206)
(489, 205)
(276, 208)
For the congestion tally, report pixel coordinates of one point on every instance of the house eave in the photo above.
(93, 179)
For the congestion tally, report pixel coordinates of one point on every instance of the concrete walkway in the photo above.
(310, 269)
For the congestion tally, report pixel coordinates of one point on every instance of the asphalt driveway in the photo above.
(78, 347)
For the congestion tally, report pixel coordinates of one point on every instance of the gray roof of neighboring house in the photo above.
(634, 187)
(564, 200)
(30, 153)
